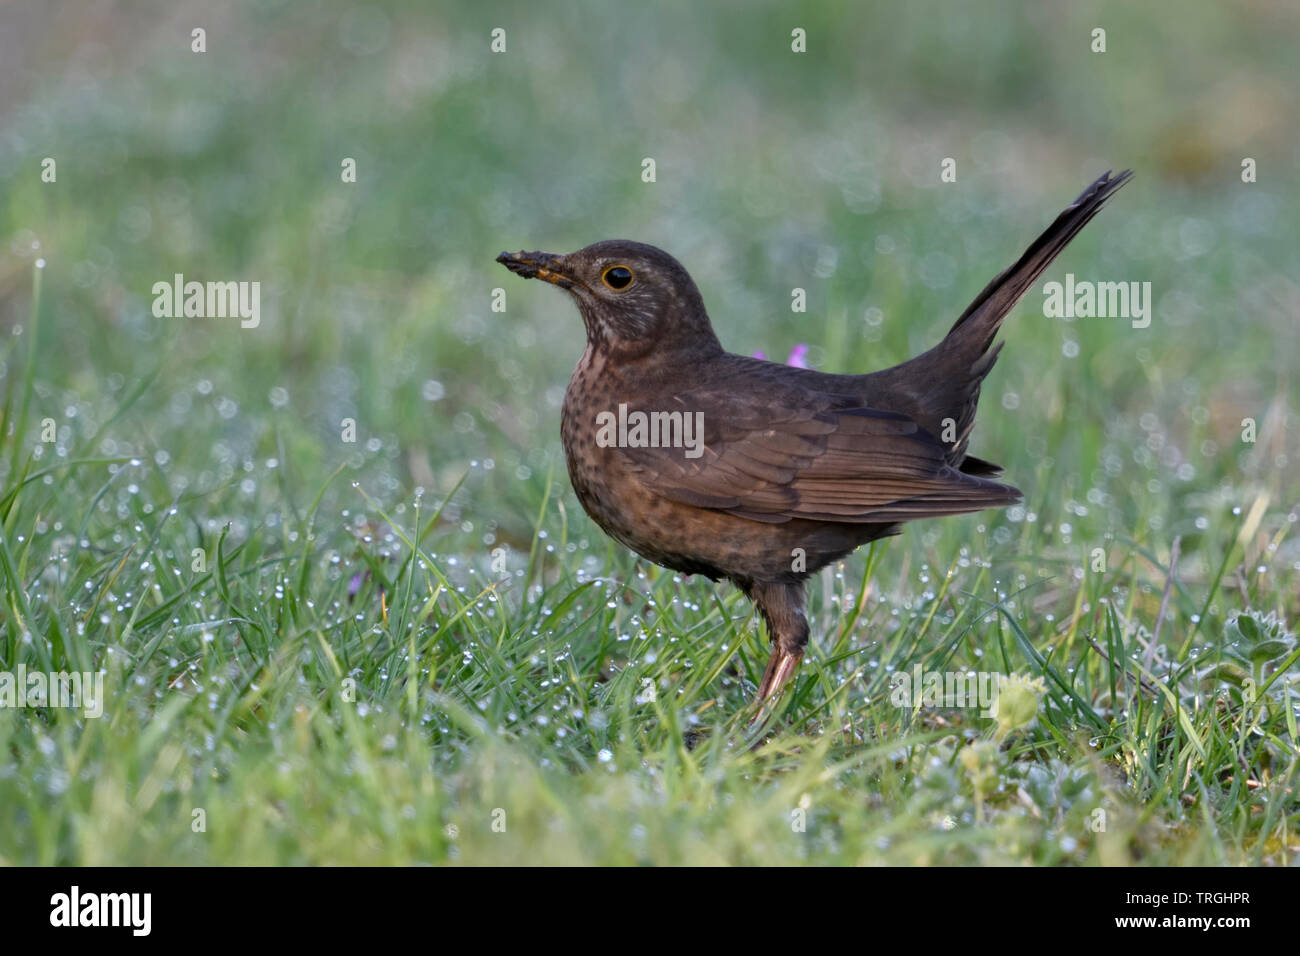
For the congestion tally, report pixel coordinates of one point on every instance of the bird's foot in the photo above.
(781, 666)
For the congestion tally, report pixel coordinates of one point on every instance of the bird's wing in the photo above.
(781, 452)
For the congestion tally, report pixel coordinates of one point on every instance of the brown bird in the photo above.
(711, 463)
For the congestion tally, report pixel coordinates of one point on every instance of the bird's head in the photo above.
(633, 297)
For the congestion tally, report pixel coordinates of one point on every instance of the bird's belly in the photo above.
(702, 540)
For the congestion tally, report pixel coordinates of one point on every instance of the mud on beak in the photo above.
(537, 265)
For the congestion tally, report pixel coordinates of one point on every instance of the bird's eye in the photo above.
(617, 277)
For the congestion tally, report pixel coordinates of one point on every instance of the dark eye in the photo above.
(617, 277)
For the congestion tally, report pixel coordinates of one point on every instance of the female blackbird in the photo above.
(711, 463)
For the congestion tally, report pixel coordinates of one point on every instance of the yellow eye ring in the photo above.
(617, 278)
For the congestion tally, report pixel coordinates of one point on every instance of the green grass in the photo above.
(417, 648)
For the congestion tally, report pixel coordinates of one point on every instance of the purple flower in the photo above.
(798, 356)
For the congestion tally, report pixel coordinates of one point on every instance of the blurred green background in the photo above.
(775, 170)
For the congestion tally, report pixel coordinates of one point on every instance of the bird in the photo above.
(732, 467)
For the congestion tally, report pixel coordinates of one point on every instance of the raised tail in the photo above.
(953, 370)
(983, 316)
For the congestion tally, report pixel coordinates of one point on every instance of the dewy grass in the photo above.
(268, 709)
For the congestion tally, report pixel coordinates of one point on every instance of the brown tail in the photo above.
(954, 369)
(983, 316)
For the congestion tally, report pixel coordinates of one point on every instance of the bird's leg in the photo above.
(782, 606)
(781, 666)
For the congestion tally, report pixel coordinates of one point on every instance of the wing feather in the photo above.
(774, 452)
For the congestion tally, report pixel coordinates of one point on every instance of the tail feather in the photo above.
(983, 316)
(950, 373)
(979, 467)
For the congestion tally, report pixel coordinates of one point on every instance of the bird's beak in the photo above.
(537, 265)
